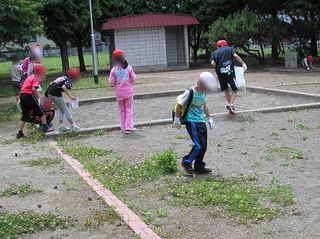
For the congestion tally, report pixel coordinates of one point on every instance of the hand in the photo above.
(72, 98)
(177, 123)
(244, 66)
(210, 123)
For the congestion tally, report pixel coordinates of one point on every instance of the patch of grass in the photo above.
(33, 135)
(279, 193)
(185, 137)
(275, 135)
(21, 190)
(283, 152)
(43, 162)
(9, 112)
(116, 174)
(13, 225)
(302, 126)
(241, 196)
(153, 217)
(98, 218)
(243, 118)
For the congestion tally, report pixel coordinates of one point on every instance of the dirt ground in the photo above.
(103, 113)
(237, 145)
(63, 191)
(234, 148)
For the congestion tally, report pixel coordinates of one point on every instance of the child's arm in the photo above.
(65, 90)
(112, 77)
(35, 92)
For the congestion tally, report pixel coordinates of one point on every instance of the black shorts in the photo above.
(16, 87)
(225, 80)
(29, 106)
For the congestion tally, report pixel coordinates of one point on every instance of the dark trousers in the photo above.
(198, 134)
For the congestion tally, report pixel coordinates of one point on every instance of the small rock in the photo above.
(15, 154)
(0, 206)
(55, 187)
(119, 224)
(304, 138)
(90, 198)
(39, 205)
(296, 212)
(270, 172)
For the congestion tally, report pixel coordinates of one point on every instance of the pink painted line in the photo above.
(133, 221)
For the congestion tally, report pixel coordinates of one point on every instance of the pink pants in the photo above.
(126, 113)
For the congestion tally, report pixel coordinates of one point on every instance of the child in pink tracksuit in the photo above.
(122, 77)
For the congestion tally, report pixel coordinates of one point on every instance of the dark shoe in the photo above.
(231, 109)
(187, 167)
(20, 134)
(46, 129)
(203, 170)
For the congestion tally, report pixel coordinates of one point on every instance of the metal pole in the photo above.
(93, 47)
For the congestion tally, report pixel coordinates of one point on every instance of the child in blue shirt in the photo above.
(195, 123)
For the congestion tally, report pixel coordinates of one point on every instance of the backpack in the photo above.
(184, 109)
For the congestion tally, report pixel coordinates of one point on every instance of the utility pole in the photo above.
(93, 47)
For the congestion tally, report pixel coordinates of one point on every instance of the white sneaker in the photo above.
(63, 128)
(75, 127)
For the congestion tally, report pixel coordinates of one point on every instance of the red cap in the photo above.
(74, 73)
(221, 43)
(39, 69)
(310, 58)
(117, 53)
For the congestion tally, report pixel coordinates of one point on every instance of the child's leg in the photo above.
(59, 103)
(202, 136)
(122, 110)
(129, 114)
(195, 131)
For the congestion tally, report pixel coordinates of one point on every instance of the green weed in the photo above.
(275, 135)
(300, 125)
(116, 174)
(243, 118)
(43, 162)
(9, 112)
(21, 190)
(13, 225)
(241, 195)
(99, 218)
(279, 193)
(186, 137)
(283, 152)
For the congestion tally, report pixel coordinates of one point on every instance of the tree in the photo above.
(13, 27)
(305, 17)
(238, 29)
(67, 22)
(275, 28)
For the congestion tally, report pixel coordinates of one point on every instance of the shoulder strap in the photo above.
(188, 104)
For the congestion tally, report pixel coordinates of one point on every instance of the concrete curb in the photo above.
(252, 89)
(256, 89)
(132, 220)
(109, 128)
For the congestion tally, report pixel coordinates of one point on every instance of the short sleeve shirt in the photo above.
(15, 73)
(55, 88)
(196, 112)
(223, 57)
(29, 83)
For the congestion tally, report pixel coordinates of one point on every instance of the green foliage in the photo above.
(237, 28)
(283, 152)
(241, 195)
(9, 112)
(13, 225)
(116, 174)
(43, 162)
(14, 27)
(99, 218)
(21, 190)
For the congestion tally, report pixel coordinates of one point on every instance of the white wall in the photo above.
(144, 46)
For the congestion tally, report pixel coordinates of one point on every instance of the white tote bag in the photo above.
(240, 81)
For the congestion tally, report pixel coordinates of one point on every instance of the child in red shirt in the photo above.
(29, 100)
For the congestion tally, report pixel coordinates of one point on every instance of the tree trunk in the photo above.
(313, 36)
(82, 64)
(274, 40)
(64, 56)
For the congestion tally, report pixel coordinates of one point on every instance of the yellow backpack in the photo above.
(185, 108)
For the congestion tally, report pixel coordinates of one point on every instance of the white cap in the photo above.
(208, 80)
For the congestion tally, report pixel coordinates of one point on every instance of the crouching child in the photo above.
(191, 110)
